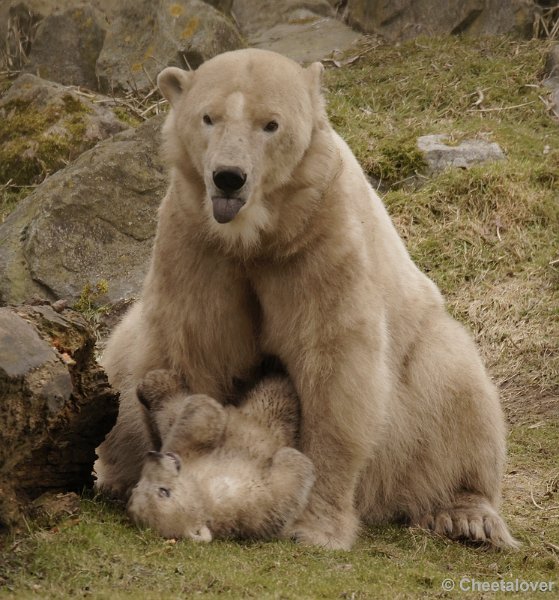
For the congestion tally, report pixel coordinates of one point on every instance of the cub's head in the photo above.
(239, 127)
(168, 501)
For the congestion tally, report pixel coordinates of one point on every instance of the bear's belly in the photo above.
(229, 479)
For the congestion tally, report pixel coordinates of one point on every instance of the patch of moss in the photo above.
(9, 197)
(546, 173)
(73, 105)
(5, 82)
(29, 147)
(90, 296)
(21, 119)
(126, 116)
(394, 160)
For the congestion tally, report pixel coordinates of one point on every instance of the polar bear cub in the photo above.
(221, 471)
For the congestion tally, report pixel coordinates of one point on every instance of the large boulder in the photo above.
(255, 16)
(222, 5)
(19, 20)
(44, 125)
(90, 222)
(67, 45)
(307, 38)
(404, 19)
(56, 405)
(304, 30)
(146, 36)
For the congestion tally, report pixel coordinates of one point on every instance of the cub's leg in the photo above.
(273, 403)
(199, 427)
(180, 422)
(162, 394)
(470, 517)
(274, 506)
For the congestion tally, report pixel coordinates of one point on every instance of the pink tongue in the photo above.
(225, 209)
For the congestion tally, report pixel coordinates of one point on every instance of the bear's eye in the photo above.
(207, 120)
(271, 126)
(164, 492)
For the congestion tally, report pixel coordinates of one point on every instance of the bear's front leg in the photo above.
(343, 402)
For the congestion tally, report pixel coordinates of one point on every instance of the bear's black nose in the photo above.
(229, 179)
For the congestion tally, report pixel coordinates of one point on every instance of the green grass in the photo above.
(489, 237)
(100, 554)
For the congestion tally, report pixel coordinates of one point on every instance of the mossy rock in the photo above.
(44, 126)
(67, 45)
(91, 222)
(144, 37)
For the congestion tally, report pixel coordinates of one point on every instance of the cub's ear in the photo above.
(172, 82)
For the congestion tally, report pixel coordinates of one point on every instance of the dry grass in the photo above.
(488, 236)
(546, 22)
(20, 32)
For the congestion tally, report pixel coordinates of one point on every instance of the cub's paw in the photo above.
(199, 426)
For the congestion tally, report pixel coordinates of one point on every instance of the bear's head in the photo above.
(238, 130)
(167, 501)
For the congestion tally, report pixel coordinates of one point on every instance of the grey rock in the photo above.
(21, 349)
(305, 31)
(56, 405)
(552, 64)
(554, 101)
(19, 20)
(44, 125)
(307, 39)
(440, 156)
(404, 19)
(223, 6)
(256, 16)
(92, 221)
(67, 45)
(497, 18)
(146, 36)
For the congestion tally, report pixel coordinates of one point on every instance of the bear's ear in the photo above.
(313, 73)
(172, 82)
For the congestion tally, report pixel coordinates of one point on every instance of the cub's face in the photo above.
(241, 123)
(167, 501)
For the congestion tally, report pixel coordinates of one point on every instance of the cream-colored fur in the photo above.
(398, 414)
(221, 471)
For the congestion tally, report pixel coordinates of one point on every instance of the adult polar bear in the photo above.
(271, 241)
